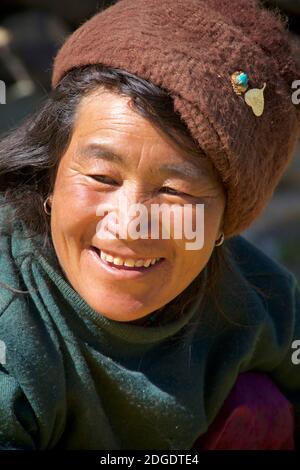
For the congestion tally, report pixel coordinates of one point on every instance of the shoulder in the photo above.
(9, 279)
(8, 271)
(13, 250)
(271, 282)
(256, 265)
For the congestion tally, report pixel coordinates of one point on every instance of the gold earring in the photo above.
(46, 207)
(220, 241)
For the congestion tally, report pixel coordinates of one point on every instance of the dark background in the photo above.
(31, 31)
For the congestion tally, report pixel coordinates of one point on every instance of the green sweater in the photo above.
(72, 379)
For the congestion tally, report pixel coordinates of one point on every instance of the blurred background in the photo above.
(31, 31)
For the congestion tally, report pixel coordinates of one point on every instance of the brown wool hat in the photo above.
(192, 48)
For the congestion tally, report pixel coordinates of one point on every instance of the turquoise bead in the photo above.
(242, 79)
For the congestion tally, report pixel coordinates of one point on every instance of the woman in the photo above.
(118, 339)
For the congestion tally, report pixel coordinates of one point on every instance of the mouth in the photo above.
(107, 261)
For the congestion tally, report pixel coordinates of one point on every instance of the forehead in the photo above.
(108, 128)
(106, 112)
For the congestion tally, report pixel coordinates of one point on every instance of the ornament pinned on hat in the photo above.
(253, 97)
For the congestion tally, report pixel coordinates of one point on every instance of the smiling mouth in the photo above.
(122, 267)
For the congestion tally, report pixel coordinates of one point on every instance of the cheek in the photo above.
(73, 210)
(198, 242)
(214, 211)
(192, 261)
(199, 222)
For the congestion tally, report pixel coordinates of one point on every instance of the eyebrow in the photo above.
(191, 171)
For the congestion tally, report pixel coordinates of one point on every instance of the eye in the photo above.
(172, 191)
(104, 179)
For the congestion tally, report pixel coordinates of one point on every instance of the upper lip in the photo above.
(126, 255)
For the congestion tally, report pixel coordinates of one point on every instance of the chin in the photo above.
(120, 316)
(119, 309)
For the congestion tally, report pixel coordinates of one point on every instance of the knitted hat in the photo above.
(192, 48)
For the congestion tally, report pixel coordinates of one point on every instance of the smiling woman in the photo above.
(79, 192)
(117, 137)
(118, 335)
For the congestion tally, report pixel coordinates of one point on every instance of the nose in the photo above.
(131, 218)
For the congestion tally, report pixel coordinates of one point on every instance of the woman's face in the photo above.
(117, 157)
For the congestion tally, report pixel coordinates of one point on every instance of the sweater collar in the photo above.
(48, 265)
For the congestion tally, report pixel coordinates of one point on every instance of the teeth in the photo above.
(128, 261)
(139, 263)
(103, 256)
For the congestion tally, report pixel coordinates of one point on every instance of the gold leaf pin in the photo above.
(253, 97)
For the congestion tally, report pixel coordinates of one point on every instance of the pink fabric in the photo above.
(255, 416)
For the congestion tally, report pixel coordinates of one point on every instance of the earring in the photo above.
(220, 241)
(47, 211)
